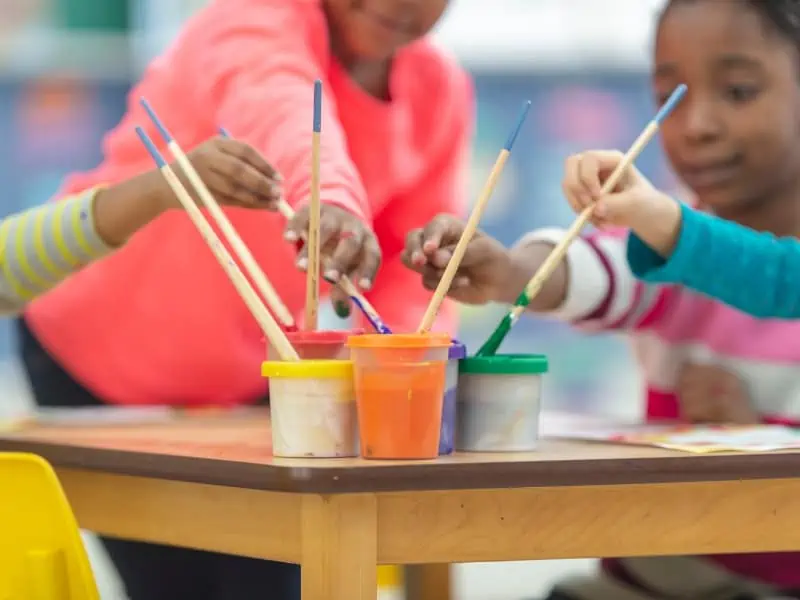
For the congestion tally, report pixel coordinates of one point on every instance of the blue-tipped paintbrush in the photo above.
(534, 286)
(207, 199)
(471, 227)
(344, 282)
(312, 243)
(268, 325)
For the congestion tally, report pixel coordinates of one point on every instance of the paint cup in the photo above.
(447, 434)
(399, 381)
(498, 403)
(318, 345)
(312, 408)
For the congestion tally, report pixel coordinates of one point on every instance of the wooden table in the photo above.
(212, 484)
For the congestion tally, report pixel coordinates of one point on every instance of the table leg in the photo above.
(428, 582)
(340, 547)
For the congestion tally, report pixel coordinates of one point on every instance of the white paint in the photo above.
(313, 418)
(498, 413)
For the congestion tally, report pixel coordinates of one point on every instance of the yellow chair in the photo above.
(42, 556)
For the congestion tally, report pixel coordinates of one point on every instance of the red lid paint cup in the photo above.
(399, 384)
(318, 345)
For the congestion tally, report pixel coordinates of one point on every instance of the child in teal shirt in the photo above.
(757, 273)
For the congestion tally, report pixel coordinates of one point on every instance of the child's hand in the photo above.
(347, 247)
(235, 174)
(634, 203)
(633, 199)
(711, 394)
(483, 272)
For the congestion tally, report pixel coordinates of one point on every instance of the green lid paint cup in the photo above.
(498, 403)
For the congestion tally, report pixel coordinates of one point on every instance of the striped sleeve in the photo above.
(43, 245)
(602, 293)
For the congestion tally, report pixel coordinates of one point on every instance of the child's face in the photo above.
(734, 139)
(374, 29)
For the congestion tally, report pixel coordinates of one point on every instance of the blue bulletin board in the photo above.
(52, 127)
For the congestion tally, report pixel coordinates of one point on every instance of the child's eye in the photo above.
(741, 93)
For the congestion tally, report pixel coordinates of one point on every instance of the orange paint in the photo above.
(399, 385)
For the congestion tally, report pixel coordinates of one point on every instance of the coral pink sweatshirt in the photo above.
(158, 321)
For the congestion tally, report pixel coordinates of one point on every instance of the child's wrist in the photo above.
(659, 225)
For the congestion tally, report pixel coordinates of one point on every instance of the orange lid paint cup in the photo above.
(399, 385)
(312, 408)
(318, 345)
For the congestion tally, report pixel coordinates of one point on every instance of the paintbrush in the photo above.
(547, 268)
(269, 326)
(471, 227)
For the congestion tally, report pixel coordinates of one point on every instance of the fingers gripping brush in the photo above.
(344, 282)
(534, 286)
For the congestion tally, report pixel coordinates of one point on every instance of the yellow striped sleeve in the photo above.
(42, 246)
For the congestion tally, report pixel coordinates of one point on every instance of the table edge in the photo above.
(415, 477)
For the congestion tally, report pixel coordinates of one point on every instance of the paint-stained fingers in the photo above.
(342, 305)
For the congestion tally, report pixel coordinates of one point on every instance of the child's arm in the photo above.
(42, 246)
(753, 272)
(593, 287)
(253, 65)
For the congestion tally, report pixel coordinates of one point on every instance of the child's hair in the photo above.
(782, 15)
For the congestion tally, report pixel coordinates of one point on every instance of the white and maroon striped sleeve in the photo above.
(602, 291)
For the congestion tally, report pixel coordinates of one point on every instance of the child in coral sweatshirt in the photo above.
(157, 322)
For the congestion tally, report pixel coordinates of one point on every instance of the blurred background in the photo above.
(66, 66)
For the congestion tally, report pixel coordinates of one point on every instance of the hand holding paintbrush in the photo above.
(471, 227)
(547, 268)
(271, 329)
(209, 202)
(345, 244)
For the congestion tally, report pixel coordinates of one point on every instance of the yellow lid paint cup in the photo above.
(313, 408)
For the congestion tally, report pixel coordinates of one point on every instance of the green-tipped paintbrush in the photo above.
(534, 286)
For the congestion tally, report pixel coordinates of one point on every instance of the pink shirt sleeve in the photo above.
(398, 294)
(602, 291)
(259, 73)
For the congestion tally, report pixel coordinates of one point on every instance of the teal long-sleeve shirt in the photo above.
(757, 273)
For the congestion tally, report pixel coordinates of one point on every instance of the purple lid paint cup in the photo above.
(457, 352)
